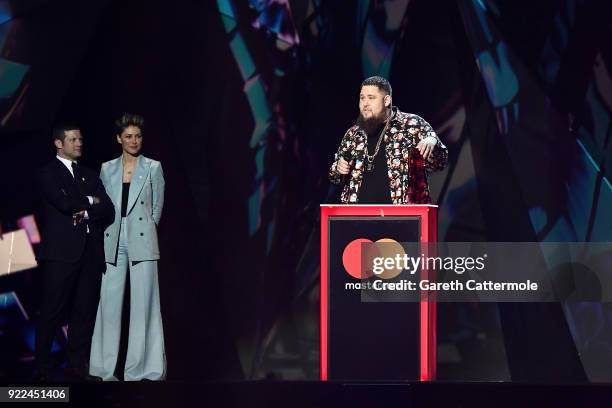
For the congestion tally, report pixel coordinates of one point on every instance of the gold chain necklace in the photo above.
(370, 159)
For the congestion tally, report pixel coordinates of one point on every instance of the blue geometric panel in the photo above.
(11, 75)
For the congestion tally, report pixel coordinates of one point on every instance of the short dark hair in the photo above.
(129, 119)
(379, 82)
(60, 129)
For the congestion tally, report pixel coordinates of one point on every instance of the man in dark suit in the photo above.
(73, 212)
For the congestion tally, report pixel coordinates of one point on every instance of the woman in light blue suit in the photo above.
(135, 185)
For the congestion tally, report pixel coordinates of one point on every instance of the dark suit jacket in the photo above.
(60, 197)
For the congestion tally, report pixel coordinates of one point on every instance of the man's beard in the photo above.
(372, 123)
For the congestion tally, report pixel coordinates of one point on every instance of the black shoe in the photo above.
(92, 378)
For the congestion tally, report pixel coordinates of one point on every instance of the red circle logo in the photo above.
(351, 259)
(353, 255)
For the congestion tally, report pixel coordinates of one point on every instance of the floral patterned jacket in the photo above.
(408, 171)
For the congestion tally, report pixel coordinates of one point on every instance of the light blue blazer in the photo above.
(144, 209)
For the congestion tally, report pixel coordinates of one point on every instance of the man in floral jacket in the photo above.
(411, 150)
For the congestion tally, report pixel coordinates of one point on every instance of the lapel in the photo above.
(360, 161)
(360, 143)
(115, 178)
(139, 177)
(396, 159)
(65, 173)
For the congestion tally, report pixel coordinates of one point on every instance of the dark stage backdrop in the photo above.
(245, 103)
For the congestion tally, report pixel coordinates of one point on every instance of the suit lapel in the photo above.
(115, 177)
(65, 173)
(395, 161)
(138, 179)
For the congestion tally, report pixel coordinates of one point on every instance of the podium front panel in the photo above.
(369, 340)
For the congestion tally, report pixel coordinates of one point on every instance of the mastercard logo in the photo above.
(355, 252)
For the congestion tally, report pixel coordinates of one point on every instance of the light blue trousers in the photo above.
(146, 358)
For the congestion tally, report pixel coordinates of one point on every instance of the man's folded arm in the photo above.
(61, 199)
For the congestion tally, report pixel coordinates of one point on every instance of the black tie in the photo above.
(77, 176)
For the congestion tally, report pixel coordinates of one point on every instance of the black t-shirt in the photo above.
(124, 199)
(375, 185)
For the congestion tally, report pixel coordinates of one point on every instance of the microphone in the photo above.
(347, 156)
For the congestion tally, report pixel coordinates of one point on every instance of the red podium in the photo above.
(378, 340)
